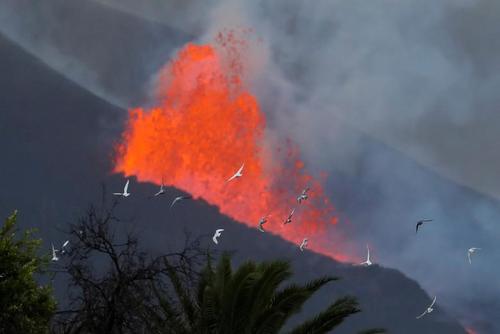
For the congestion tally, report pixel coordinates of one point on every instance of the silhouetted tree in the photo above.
(248, 300)
(118, 288)
(111, 278)
(25, 306)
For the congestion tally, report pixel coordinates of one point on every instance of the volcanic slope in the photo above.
(109, 52)
(56, 139)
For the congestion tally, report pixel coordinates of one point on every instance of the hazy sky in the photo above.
(420, 76)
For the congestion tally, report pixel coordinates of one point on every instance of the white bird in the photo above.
(303, 196)
(238, 174)
(429, 309)
(54, 254)
(471, 251)
(367, 262)
(217, 234)
(161, 191)
(179, 198)
(125, 192)
(262, 221)
(289, 218)
(63, 247)
(303, 244)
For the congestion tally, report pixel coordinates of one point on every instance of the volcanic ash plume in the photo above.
(205, 125)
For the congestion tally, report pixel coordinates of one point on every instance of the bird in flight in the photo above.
(179, 198)
(238, 174)
(303, 196)
(63, 247)
(54, 254)
(429, 309)
(471, 251)
(161, 191)
(368, 262)
(289, 218)
(217, 234)
(420, 223)
(125, 192)
(303, 244)
(262, 221)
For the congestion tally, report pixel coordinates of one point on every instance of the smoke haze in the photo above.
(345, 80)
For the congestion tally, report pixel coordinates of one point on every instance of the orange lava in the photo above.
(205, 125)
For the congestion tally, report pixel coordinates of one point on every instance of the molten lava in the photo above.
(204, 127)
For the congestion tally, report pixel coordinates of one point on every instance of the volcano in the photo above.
(59, 141)
(58, 137)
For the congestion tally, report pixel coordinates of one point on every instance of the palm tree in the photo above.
(249, 300)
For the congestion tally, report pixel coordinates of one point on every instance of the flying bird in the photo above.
(303, 244)
(420, 223)
(303, 196)
(125, 192)
(471, 251)
(217, 234)
(238, 174)
(161, 191)
(63, 247)
(262, 221)
(179, 198)
(429, 309)
(289, 218)
(368, 262)
(54, 254)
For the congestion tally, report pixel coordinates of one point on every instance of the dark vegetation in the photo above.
(116, 287)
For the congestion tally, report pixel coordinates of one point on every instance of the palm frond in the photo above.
(327, 320)
(181, 292)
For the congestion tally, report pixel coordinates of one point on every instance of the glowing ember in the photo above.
(204, 128)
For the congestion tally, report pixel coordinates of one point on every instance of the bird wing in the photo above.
(65, 243)
(125, 189)
(241, 169)
(368, 257)
(174, 201)
(420, 316)
(292, 212)
(417, 226)
(217, 234)
(468, 255)
(433, 302)
(118, 194)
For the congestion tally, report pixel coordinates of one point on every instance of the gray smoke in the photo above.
(111, 54)
(343, 78)
(366, 88)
